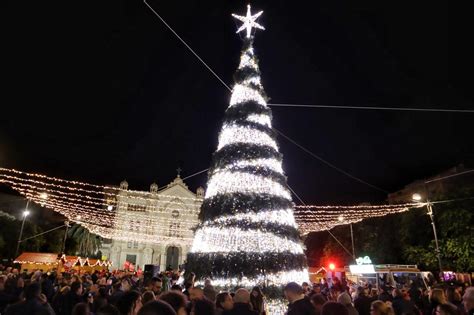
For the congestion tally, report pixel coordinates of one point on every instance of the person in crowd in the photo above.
(318, 301)
(187, 287)
(108, 309)
(447, 309)
(177, 300)
(157, 308)
(209, 291)
(316, 290)
(384, 294)
(119, 289)
(362, 301)
(155, 285)
(129, 303)
(81, 309)
(224, 302)
(71, 298)
(241, 304)
(401, 302)
(35, 303)
(101, 299)
(416, 295)
(196, 293)
(299, 303)
(454, 297)
(148, 296)
(306, 288)
(468, 300)
(334, 308)
(257, 300)
(188, 284)
(381, 308)
(437, 297)
(47, 287)
(345, 299)
(203, 307)
(176, 287)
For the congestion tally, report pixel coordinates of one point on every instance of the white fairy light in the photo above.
(253, 80)
(231, 134)
(247, 60)
(242, 93)
(280, 278)
(272, 164)
(248, 21)
(233, 239)
(238, 182)
(260, 119)
(283, 217)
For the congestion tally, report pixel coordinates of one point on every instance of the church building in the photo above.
(154, 227)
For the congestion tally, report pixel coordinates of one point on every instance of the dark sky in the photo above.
(100, 91)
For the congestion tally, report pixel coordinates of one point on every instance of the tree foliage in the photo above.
(88, 243)
(407, 238)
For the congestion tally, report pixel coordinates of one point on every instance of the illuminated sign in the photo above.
(364, 261)
(364, 265)
(361, 269)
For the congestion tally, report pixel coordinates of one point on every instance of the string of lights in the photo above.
(319, 218)
(103, 190)
(85, 205)
(44, 197)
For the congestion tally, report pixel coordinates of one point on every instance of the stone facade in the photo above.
(153, 227)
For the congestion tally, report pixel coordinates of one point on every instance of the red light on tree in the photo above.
(332, 266)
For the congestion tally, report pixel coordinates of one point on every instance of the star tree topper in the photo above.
(249, 21)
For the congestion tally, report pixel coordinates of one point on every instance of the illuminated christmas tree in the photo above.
(248, 235)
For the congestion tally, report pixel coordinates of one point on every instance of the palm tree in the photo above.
(89, 243)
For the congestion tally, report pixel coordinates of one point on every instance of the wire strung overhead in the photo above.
(409, 109)
(305, 105)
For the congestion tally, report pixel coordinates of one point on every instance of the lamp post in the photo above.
(63, 247)
(417, 197)
(341, 219)
(25, 214)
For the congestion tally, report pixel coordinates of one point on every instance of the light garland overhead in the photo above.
(111, 212)
(84, 202)
(320, 218)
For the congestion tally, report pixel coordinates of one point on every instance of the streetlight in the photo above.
(25, 214)
(417, 197)
(341, 219)
(63, 247)
(110, 207)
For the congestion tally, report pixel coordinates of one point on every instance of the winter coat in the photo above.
(29, 307)
(301, 307)
(240, 309)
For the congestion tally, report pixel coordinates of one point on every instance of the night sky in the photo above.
(102, 91)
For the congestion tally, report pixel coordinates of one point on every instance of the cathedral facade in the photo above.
(154, 227)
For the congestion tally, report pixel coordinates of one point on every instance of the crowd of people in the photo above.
(124, 293)
(412, 299)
